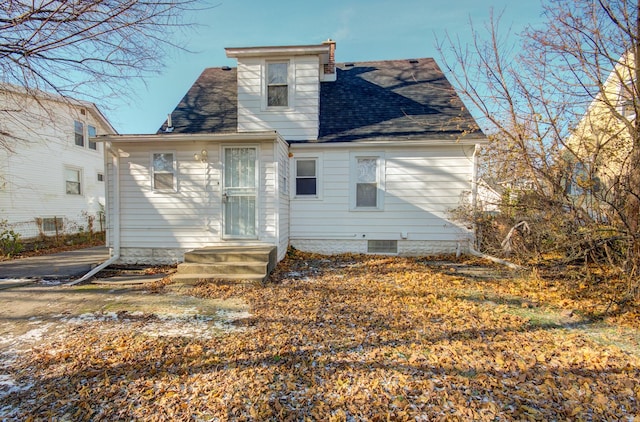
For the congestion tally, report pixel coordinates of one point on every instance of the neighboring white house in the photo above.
(50, 170)
(291, 148)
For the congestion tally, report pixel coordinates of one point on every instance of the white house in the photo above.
(51, 172)
(291, 148)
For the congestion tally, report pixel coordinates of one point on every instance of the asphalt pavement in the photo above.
(63, 265)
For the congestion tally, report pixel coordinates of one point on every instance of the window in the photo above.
(306, 177)
(367, 182)
(277, 84)
(52, 224)
(79, 133)
(628, 99)
(100, 177)
(91, 132)
(163, 171)
(72, 180)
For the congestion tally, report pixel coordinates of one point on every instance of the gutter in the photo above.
(115, 218)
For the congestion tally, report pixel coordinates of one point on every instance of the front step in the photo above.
(246, 263)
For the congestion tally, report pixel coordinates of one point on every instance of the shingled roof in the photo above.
(210, 105)
(377, 100)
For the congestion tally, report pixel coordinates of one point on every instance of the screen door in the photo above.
(239, 193)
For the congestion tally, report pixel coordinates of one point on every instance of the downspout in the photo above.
(474, 205)
(115, 218)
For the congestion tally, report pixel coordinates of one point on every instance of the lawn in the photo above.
(351, 338)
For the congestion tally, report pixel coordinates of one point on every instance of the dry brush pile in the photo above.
(346, 339)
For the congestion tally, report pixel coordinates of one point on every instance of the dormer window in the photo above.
(277, 84)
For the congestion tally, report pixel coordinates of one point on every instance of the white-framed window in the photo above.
(73, 180)
(163, 171)
(52, 224)
(78, 128)
(277, 84)
(91, 133)
(100, 177)
(367, 182)
(306, 177)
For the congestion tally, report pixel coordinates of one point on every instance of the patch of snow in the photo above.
(50, 282)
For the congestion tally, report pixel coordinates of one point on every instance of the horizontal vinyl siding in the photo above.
(300, 121)
(191, 217)
(421, 186)
(32, 178)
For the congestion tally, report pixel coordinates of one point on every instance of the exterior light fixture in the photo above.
(201, 156)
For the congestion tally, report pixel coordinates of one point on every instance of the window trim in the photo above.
(81, 133)
(91, 144)
(380, 180)
(290, 85)
(80, 180)
(317, 157)
(152, 172)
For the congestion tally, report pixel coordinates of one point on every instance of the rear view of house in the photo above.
(292, 148)
(51, 171)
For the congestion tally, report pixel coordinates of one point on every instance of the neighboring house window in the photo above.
(163, 171)
(52, 224)
(627, 101)
(306, 177)
(367, 175)
(100, 177)
(79, 133)
(72, 181)
(91, 132)
(277, 84)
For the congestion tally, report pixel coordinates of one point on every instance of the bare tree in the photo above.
(560, 105)
(86, 48)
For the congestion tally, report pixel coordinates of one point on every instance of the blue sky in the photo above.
(363, 30)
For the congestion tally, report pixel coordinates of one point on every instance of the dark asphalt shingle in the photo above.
(390, 100)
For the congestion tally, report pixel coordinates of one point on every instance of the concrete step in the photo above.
(224, 268)
(195, 278)
(213, 255)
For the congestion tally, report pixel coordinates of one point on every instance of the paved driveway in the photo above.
(56, 266)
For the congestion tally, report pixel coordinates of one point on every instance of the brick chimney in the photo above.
(330, 66)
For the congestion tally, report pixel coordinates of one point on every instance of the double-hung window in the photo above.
(73, 179)
(79, 133)
(163, 171)
(91, 132)
(367, 175)
(306, 177)
(277, 84)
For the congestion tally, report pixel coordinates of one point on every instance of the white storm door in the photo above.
(239, 193)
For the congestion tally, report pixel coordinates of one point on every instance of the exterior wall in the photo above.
(405, 247)
(421, 185)
(298, 121)
(158, 227)
(283, 199)
(32, 176)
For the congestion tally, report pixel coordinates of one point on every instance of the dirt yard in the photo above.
(31, 313)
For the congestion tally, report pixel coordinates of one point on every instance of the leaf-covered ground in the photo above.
(348, 338)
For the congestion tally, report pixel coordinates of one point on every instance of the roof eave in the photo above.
(291, 50)
(191, 137)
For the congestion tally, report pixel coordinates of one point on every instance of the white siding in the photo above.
(421, 185)
(191, 217)
(297, 122)
(283, 195)
(32, 177)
